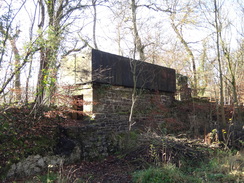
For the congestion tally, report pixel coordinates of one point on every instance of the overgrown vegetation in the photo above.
(22, 134)
(164, 159)
(168, 173)
(141, 156)
(223, 167)
(148, 165)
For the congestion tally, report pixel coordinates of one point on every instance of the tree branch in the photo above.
(17, 70)
(74, 50)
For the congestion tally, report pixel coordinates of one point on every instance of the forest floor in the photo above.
(110, 170)
(190, 158)
(121, 168)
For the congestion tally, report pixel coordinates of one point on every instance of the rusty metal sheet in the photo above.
(117, 70)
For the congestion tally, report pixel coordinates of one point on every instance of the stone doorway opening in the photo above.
(77, 107)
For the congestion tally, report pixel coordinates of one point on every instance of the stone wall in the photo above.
(97, 136)
(113, 103)
(110, 114)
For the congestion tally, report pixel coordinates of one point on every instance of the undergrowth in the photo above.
(222, 167)
(22, 135)
(168, 173)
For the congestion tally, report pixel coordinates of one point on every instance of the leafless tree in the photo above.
(137, 39)
(180, 15)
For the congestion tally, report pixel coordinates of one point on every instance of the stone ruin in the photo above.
(106, 96)
(105, 89)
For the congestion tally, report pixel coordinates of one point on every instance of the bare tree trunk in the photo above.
(94, 22)
(31, 59)
(216, 11)
(133, 101)
(138, 47)
(41, 81)
(189, 52)
(16, 64)
(27, 82)
(119, 39)
(202, 71)
(138, 43)
(39, 87)
(236, 108)
(134, 92)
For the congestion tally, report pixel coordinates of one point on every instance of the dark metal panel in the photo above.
(117, 70)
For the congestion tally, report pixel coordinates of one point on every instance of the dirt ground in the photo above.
(110, 170)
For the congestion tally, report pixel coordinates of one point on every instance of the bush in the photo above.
(223, 167)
